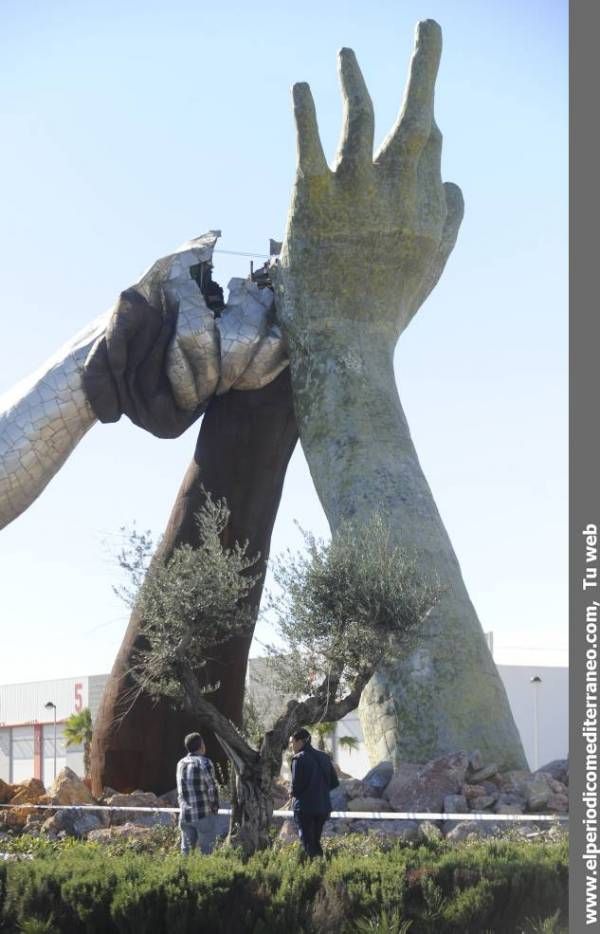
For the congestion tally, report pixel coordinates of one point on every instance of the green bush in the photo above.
(496, 886)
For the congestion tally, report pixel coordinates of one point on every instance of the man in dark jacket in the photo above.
(313, 776)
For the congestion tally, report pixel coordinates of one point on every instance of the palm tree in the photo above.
(348, 742)
(323, 731)
(78, 732)
(326, 730)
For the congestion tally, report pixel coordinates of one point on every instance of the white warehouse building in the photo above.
(31, 744)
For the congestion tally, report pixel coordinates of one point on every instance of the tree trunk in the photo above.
(447, 694)
(252, 810)
(244, 446)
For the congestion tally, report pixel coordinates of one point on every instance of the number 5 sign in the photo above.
(78, 697)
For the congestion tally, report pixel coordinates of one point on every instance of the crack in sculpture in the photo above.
(164, 355)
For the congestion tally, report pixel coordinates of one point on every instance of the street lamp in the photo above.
(52, 706)
(536, 681)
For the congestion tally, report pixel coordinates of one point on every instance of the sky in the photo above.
(130, 127)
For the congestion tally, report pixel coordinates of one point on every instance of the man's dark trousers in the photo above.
(310, 828)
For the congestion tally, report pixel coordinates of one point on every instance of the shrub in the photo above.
(496, 886)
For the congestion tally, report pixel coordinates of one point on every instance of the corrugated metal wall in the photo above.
(24, 703)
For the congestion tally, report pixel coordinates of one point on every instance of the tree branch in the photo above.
(196, 703)
(320, 706)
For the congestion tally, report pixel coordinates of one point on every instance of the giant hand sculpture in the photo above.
(365, 244)
(160, 355)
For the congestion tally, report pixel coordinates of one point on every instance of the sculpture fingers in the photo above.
(356, 143)
(311, 158)
(455, 209)
(267, 363)
(192, 360)
(176, 264)
(410, 133)
(242, 325)
(431, 202)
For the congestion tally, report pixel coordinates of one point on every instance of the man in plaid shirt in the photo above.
(198, 797)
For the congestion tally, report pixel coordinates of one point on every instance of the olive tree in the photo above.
(338, 609)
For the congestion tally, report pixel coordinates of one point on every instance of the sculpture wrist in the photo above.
(42, 420)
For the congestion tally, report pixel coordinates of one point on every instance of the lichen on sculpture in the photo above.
(386, 220)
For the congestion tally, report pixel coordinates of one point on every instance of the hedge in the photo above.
(499, 886)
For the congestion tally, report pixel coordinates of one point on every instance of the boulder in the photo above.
(534, 789)
(7, 791)
(28, 792)
(559, 804)
(369, 804)
(339, 799)
(405, 773)
(354, 788)
(558, 769)
(72, 823)
(481, 775)
(475, 761)
(504, 808)
(137, 799)
(509, 797)
(340, 772)
(455, 804)
(472, 792)
(168, 800)
(483, 803)
(378, 778)
(60, 821)
(427, 790)
(512, 781)
(68, 788)
(86, 822)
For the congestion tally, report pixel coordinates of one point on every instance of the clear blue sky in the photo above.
(130, 127)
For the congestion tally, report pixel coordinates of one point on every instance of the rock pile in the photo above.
(456, 783)
(79, 820)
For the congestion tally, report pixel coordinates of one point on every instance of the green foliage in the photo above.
(549, 925)
(436, 888)
(192, 602)
(78, 732)
(323, 732)
(384, 923)
(348, 742)
(253, 728)
(339, 604)
(134, 559)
